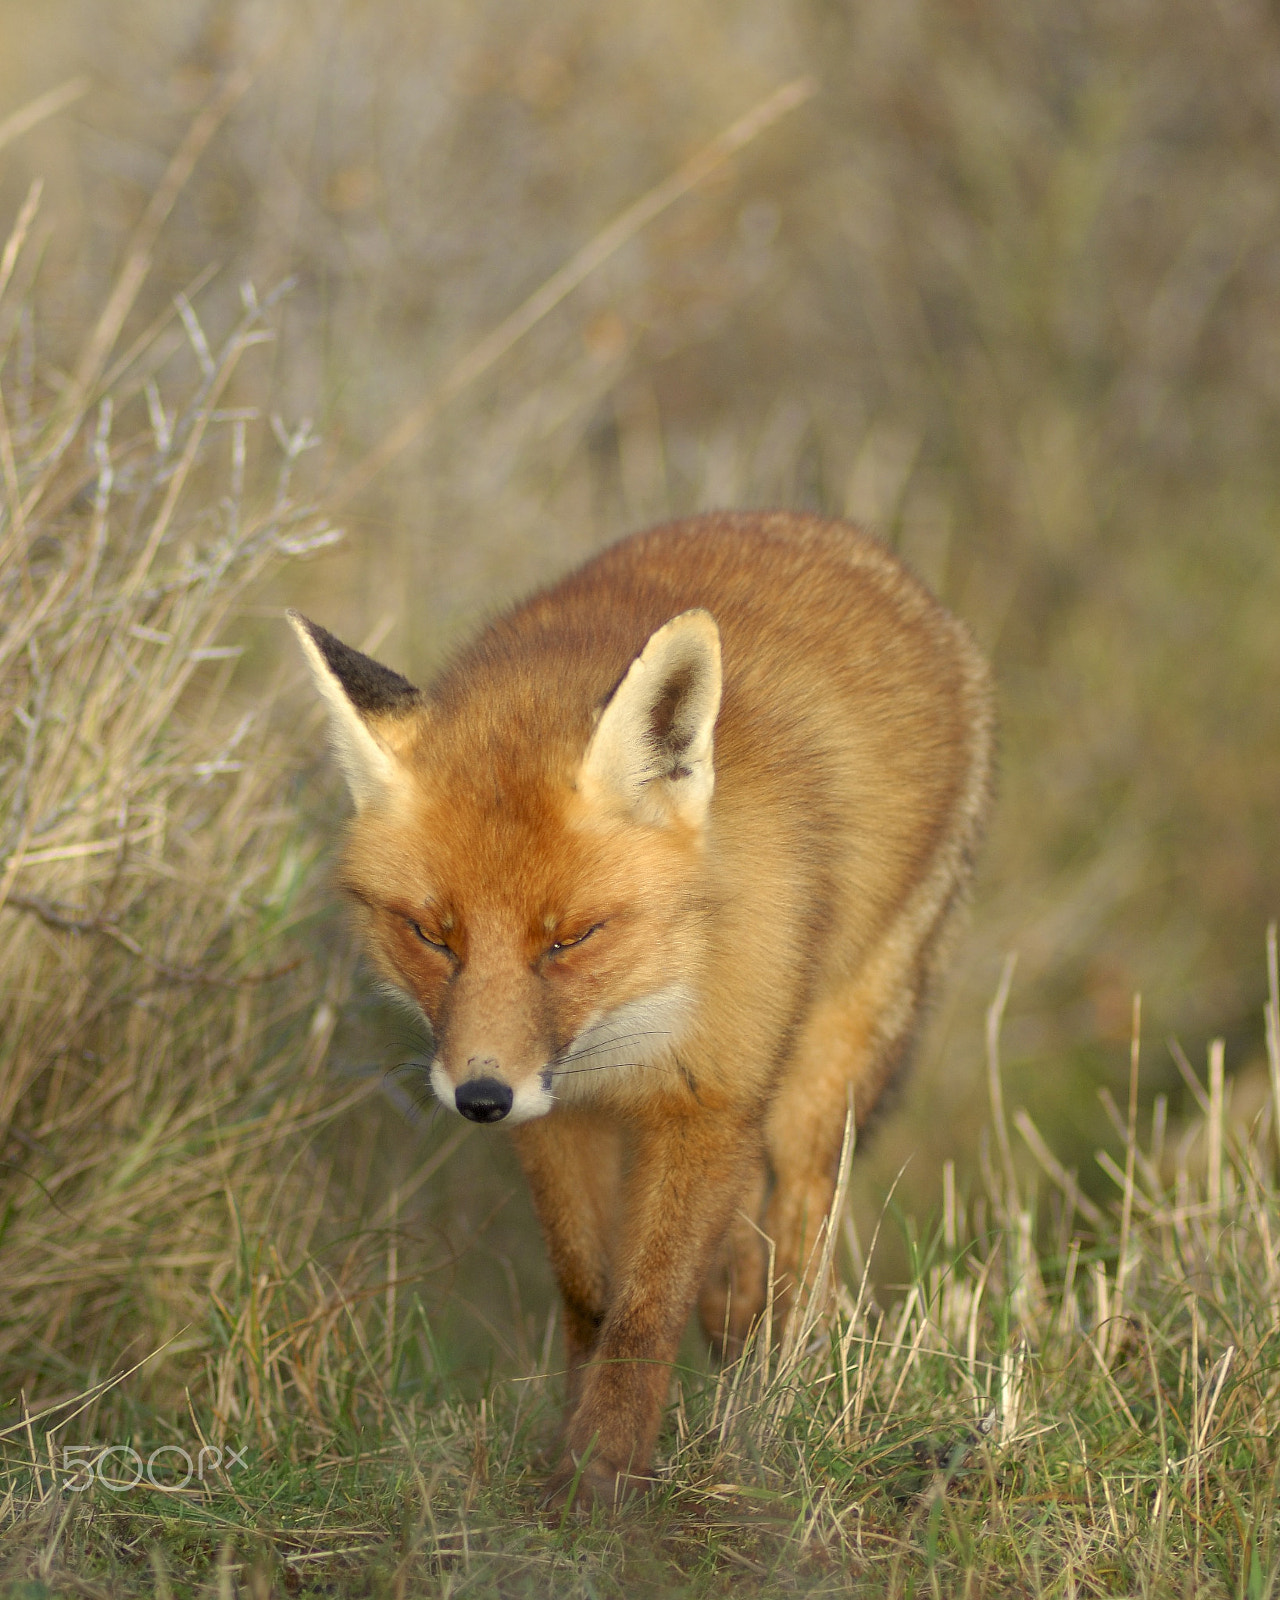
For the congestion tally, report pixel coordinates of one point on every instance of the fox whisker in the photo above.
(610, 1043)
(600, 1066)
(404, 1066)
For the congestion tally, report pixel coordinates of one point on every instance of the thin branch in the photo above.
(71, 919)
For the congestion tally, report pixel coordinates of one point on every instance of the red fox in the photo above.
(666, 858)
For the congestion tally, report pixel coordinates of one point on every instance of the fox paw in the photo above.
(580, 1487)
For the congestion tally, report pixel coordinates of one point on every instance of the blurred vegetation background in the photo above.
(1005, 289)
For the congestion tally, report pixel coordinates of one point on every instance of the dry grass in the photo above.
(1003, 287)
(1059, 1405)
(154, 1052)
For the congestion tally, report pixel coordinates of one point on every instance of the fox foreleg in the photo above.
(686, 1176)
(572, 1163)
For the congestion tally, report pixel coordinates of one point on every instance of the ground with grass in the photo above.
(1058, 1404)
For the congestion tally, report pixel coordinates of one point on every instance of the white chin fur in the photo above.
(442, 1083)
(531, 1100)
(623, 1043)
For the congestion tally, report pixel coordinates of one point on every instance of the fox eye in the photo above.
(577, 938)
(435, 944)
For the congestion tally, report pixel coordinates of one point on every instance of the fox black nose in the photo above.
(483, 1099)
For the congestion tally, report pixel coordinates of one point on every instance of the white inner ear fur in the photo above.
(652, 749)
(369, 766)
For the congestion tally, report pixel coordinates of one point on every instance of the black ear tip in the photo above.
(328, 644)
(371, 688)
(303, 624)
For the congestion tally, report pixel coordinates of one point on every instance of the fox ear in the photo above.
(359, 693)
(652, 748)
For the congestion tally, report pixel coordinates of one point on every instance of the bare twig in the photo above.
(1130, 1153)
(72, 919)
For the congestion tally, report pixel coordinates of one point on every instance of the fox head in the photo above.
(527, 854)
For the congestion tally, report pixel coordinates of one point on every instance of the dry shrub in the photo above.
(161, 1037)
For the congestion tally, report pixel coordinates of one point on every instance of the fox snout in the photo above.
(486, 1096)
